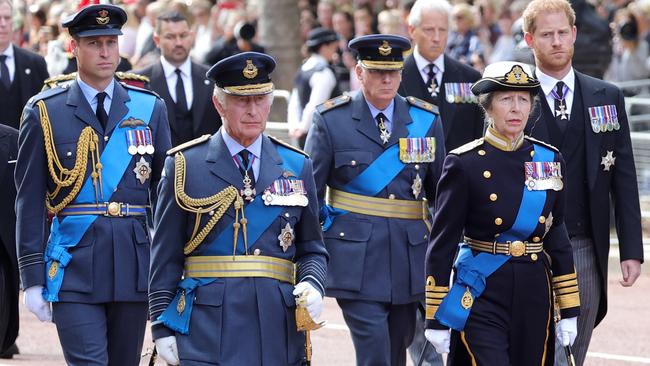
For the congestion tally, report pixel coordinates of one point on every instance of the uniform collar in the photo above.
(501, 142)
(90, 93)
(235, 147)
(388, 111)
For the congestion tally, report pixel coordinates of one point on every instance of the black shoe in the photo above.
(10, 352)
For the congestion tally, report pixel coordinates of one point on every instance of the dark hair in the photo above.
(173, 16)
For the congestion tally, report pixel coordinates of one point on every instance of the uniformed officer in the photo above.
(236, 228)
(504, 192)
(380, 155)
(93, 149)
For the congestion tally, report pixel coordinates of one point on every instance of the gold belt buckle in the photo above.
(517, 248)
(114, 209)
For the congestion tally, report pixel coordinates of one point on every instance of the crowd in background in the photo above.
(482, 31)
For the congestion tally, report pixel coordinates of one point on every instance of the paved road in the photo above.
(622, 339)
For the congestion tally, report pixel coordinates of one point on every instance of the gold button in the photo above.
(533, 256)
(542, 219)
(341, 234)
(532, 153)
(487, 174)
(105, 138)
(353, 162)
(498, 221)
(257, 251)
(493, 197)
(391, 196)
(536, 239)
(481, 152)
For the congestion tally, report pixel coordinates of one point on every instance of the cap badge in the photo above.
(250, 71)
(385, 49)
(517, 76)
(103, 18)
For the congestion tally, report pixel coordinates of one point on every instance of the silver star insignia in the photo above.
(608, 160)
(564, 114)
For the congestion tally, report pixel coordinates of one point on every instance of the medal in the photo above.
(248, 192)
(417, 185)
(608, 161)
(149, 149)
(543, 175)
(130, 141)
(286, 192)
(286, 237)
(142, 170)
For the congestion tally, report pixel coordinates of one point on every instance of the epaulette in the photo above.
(545, 144)
(287, 145)
(422, 104)
(188, 144)
(333, 103)
(467, 147)
(57, 80)
(130, 76)
(140, 89)
(47, 93)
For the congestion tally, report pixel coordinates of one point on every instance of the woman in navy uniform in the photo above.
(505, 193)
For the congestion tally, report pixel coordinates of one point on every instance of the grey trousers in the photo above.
(584, 257)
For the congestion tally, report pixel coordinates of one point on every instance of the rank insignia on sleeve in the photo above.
(417, 150)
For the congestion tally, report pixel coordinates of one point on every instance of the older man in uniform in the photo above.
(585, 118)
(237, 235)
(380, 155)
(94, 150)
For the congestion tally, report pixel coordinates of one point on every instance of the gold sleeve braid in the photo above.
(216, 205)
(434, 296)
(566, 290)
(63, 177)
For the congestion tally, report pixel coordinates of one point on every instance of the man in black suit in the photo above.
(9, 282)
(22, 72)
(431, 75)
(180, 82)
(585, 118)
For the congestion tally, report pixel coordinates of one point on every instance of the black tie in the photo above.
(243, 167)
(4, 72)
(181, 100)
(432, 83)
(100, 112)
(561, 111)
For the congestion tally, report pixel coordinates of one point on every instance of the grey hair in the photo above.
(220, 94)
(415, 17)
(485, 101)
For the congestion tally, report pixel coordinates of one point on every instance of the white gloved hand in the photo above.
(439, 339)
(567, 331)
(35, 302)
(314, 298)
(167, 349)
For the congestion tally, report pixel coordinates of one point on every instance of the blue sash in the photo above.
(67, 232)
(472, 271)
(263, 216)
(383, 169)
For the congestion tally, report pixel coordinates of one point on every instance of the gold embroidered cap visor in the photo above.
(506, 76)
(380, 51)
(96, 20)
(246, 73)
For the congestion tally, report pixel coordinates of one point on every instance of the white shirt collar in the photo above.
(423, 63)
(9, 52)
(170, 70)
(235, 147)
(548, 82)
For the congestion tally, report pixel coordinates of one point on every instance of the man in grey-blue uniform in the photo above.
(380, 155)
(91, 152)
(236, 228)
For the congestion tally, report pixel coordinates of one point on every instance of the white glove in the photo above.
(567, 331)
(314, 298)
(35, 302)
(167, 349)
(439, 339)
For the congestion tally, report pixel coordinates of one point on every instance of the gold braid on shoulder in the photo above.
(216, 205)
(63, 177)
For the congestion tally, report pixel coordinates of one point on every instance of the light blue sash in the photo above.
(262, 217)
(472, 271)
(67, 232)
(382, 170)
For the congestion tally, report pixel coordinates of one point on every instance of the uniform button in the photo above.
(542, 219)
(532, 153)
(69, 153)
(105, 138)
(353, 162)
(211, 213)
(425, 237)
(481, 152)
(417, 166)
(341, 234)
(533, 256)
(493, 197)
(487, 174)
(257, 251)
(391, 196)
(498, 221)
(286, 214)
(536, 239)
(497, 235)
